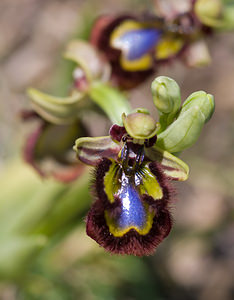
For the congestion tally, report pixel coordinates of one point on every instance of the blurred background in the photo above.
(44, 252)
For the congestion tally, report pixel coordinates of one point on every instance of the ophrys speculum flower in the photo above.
(133, 170)
(132, 186)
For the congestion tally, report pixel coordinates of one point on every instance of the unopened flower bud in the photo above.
(183, 133)
(203, 101)
(167, 99)
(208, 11)
(166, 95)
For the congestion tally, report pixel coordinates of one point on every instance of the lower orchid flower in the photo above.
(132, 177)
(131, 213)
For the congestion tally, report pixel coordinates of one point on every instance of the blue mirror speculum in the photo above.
(132, 190)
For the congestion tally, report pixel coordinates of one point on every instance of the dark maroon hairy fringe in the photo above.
(100, 37)
(132, 243)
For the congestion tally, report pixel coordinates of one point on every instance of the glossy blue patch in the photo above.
(136, 43)
(132, 210)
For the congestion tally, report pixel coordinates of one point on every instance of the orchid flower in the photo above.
(133, 170)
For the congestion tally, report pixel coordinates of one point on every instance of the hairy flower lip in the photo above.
(130, 243)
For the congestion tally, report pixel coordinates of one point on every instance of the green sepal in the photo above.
(56, 110)
(88, 58)
(185, 130)
(110, 100)
(91, 150)
(172, 166)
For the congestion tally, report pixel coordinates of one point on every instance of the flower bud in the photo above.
(166, 95)
(183, 133)
(208, 11)
(202, 100)
(139, 125)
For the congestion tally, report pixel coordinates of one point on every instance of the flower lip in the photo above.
(113, 222)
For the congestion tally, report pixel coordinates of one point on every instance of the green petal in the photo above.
(172, 166)
(91, 150)
(55, 109)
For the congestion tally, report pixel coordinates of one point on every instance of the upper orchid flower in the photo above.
(133, 195)
(134, 46)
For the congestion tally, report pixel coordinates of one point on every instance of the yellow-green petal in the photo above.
(172, 166)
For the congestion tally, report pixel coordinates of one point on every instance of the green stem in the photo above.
(110, 100)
